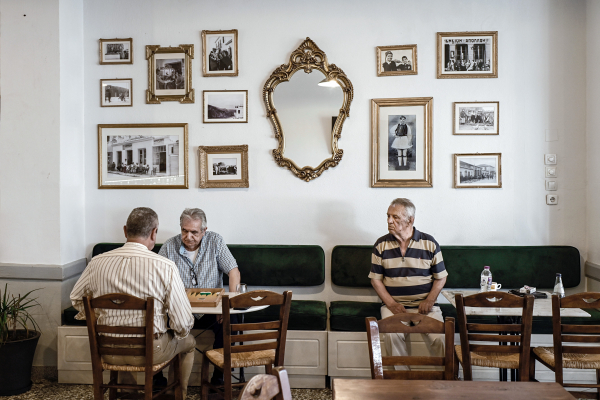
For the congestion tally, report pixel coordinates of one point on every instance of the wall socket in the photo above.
(551, 199)
(550, 159)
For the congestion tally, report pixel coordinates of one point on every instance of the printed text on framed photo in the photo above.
(476, 118)
(170, 74)
(222, 106)
(220, 53)
(116, 51)
(223, 166)
(467, 55)
(479, 170)
(397, 60)
(115, 93)
(401, 142)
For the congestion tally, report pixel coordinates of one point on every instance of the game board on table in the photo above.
(199, 297)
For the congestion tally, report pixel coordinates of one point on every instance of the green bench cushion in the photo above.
(349, 316)
(305, 315)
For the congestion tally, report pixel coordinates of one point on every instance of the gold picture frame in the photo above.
(397, 65)
(476, 118)
(223, 166)
(116, 51)
(463, 55)
(143, 156)
(477, 170)
(220, 53)
(120, 89)
(170, 74)
(215, 105)
(401, 142)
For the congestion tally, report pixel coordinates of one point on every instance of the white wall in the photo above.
(541, 85)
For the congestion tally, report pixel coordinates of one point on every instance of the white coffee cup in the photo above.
(495, 286)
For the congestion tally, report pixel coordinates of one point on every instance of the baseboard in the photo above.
(47, 373)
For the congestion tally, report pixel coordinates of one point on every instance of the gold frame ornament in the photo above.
(468, 39)
(417, 114)
(381, 50)
(218, 181)
(116, 62)
(205, 54)
(186, 95)
(458, 185)
(138, 134)
(308, 56)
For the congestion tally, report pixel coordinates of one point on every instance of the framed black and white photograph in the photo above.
(467, 55)
(115, 93)
(401, 142)
(116, 51)
(223, 166)
(223, 106)
(476, 118)
(170, 74)
(397, 60)
(220, 53)
(142, 156)
(478, 170)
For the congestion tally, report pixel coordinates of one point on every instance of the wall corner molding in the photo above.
(42, 272)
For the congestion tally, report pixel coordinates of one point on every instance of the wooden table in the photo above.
(365, 389)
(219, 309)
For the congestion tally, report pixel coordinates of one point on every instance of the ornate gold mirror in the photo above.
(312, 106)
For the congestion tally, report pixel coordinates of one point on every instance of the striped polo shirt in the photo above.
(408, 279)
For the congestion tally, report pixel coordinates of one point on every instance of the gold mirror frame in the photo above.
(308, 56)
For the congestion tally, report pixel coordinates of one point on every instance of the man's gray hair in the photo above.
(409, 208)
(141, 222)
(193, 213)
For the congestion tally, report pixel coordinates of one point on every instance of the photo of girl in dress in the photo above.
(402, 143)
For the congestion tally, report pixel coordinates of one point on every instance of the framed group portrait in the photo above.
(467, 54)
(397, 60)
(116, 51)
(401, 142)
(142, 156)
(223, 166)
(220, 53)
(479, 170)
(115, 93)
(170, 74)
(223, 106)
(476, 118)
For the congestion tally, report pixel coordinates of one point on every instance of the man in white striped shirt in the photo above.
(135, 270)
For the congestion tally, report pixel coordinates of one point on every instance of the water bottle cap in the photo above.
(558, 274)
(486, 267)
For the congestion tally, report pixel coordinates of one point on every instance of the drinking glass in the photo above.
(241, 288)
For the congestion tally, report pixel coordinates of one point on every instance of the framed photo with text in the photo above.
(467, 55)
(170, 74)
(115, 93)
(223, 166)
(220, 53)
(397, 60)
(222, 106)
(116, 51)
(401, 142)
(480, 170)
(476, 118)
(142, 156)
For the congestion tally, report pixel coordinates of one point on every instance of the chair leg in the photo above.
(227, 389)
(98, 380)
(456, 364)
(148, 383)
(532, 369)
(204, 377)
(269, 369)
(177, 376)
(114, 378)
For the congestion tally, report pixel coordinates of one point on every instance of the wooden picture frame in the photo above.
(397, 60)
(116, 51)
(467, 55)
(478, 170)
(476, 118)
(170, 74)
(118, 89)
(223, 166)
(224, 106)
(143, 156)
(220, 53)
(401, 142)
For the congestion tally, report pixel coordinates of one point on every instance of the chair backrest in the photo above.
(276, 334)
(410, 323)
(517, 335)
(265, 387)
(571, 333)
(110, 340)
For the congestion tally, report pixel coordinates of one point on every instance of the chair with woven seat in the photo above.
(266, 387)
(577, 355)
(512, 350)
(125, 341)
(269, 352)
(408, 323)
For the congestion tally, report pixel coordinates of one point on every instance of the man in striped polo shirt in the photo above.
(408, 274)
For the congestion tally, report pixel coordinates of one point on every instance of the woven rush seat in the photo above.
(570, 360)
(133, 368)
(241, 360)
(491, 360)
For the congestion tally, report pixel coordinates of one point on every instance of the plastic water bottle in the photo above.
(486, 279)
(559, 289)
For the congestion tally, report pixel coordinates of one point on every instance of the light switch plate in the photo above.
(551, 199)
(550, 159)
(551, 185)
(551, 172)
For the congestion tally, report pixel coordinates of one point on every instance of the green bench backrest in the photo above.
(513, 266)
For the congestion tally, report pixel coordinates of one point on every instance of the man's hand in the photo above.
(396, 308)
(426, 306)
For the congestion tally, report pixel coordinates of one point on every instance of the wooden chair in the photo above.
(514, 355)
(109, 345)
(266, 387)
(422, 324)
(269, 352)
(576, 355)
